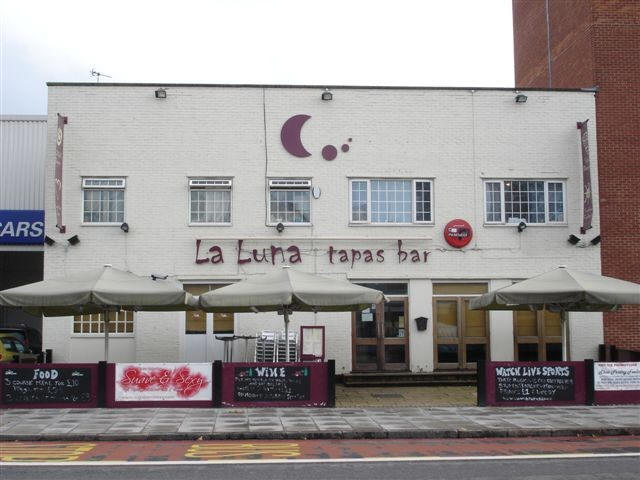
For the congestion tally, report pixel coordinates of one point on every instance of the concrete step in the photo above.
(391, 379)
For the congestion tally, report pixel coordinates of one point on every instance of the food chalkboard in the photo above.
(46, 385)
(271, 384)
(535, 383)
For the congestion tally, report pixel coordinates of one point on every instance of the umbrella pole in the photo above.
(106, 335)
(565, 335)
(286, 332)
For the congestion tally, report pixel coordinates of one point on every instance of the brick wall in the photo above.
(597, 42)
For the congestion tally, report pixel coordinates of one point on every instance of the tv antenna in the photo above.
(98, 75)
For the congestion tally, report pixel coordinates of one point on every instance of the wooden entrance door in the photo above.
(462, 335)
(381, 337)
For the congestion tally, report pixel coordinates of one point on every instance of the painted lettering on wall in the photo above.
(22, 227)
(292, 254)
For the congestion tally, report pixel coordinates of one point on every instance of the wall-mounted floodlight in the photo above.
(327, 95)
(521, 227)
(73, 240)
(521, 98)
(124, 227)
(48, 240)
(280, 227)
(573, 240)
(595, 240)
(161, 93)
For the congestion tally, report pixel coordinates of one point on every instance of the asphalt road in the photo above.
(609, 468)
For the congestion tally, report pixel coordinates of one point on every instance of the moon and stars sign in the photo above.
(292, 143)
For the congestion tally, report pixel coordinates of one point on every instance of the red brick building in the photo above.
(596, 43)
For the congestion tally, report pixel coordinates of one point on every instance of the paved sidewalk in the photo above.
(280, 423)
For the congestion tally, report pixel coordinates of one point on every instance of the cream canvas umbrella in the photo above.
(100, 290)
(288, 290)
(562, 290)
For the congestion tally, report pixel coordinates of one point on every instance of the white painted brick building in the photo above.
(460, 143)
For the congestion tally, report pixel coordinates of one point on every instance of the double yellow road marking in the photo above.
(213, 451)
(43, 452)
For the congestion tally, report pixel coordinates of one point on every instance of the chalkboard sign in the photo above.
(271, 384)
(46, 385)
(535, 383)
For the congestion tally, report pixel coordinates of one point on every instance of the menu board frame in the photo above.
(36, 369)
(488, 385)
(318, 380)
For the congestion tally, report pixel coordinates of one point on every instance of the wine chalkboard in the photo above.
(271, 384)
(535, 383)
(46, 385)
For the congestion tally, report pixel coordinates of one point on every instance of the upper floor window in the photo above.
(210, 200)
(531, 201)
(103, 200)
(391, 201)
(289, 201)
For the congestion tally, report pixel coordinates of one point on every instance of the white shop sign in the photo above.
(137, 382)
(616, 376)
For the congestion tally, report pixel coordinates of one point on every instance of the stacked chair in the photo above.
(272, 347)
(282, 347)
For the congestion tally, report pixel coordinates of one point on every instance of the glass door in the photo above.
(462, 335)
(447, 334)
(201, 330)
(196, 346)
(380, 337)
(538, 336)
(365, 340)
(394, 342)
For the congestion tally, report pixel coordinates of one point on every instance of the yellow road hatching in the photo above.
(228, 450)
(39, 452)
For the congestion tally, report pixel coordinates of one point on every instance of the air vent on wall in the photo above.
(290, 184)
(209, 183)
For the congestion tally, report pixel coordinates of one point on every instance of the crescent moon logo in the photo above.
(290, 136)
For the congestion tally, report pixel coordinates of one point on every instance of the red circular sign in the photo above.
(458, 233)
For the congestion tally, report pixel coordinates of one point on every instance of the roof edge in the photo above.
(345, 87)
(23, 118)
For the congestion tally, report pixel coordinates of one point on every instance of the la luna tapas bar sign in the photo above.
(211, 253)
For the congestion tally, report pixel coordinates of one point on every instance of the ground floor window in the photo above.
(119, 322)
(461, 334)
(538, 336)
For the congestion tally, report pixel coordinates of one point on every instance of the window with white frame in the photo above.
(289, 201)
(210, 200)
(119, 322)
(531, 201)
(103, 200)
(391, 201)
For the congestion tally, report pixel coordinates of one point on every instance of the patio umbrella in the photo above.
(100, 290)
(562, 290)
(288, 290)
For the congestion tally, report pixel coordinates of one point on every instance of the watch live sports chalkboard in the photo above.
(535, 383)
(271, 384)
(46, 385)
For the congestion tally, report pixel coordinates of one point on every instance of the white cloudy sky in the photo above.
(343, 42)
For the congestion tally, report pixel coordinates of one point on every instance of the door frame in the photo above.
(460, 339)
(542, 339)
(212, 346)
(380, 341)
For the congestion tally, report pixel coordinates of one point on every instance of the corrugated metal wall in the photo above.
(23, 147)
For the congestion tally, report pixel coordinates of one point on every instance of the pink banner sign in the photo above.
(587, 196)
(58, 179)
(152, 382)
